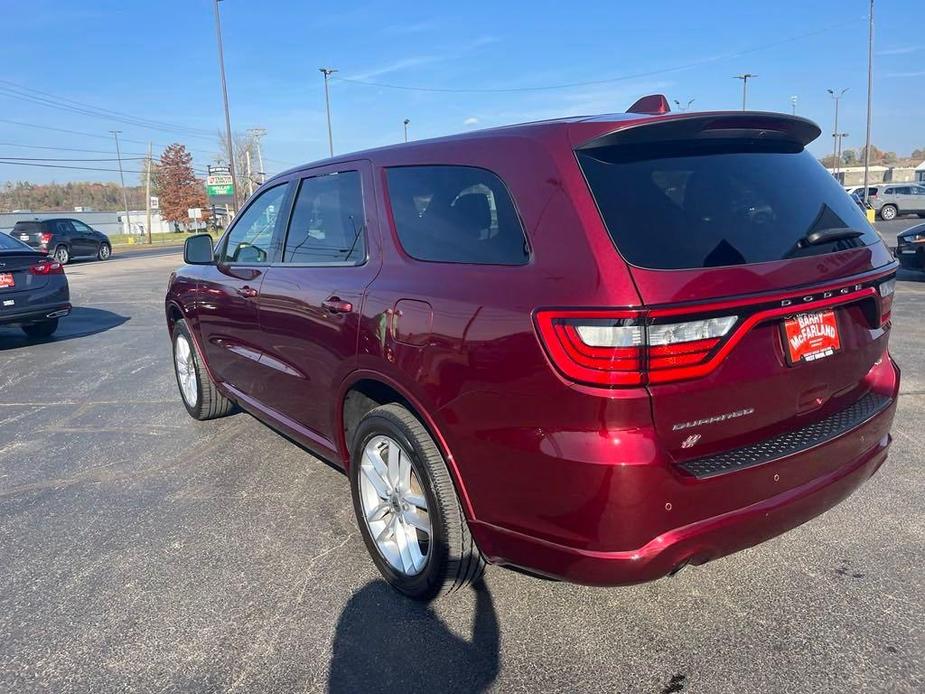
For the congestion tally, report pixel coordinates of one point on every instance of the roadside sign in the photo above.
(219, 184)
(194, 213)
(155, 203)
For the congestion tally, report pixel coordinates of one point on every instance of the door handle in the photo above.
(247, 292)
(335, 305)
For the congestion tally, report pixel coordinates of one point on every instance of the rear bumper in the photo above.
(824, 475)
(35, 314)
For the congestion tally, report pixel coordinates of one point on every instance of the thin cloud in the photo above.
(414, 28)
(919, 73)
(395, 66)
(471, 120)
(902, 50)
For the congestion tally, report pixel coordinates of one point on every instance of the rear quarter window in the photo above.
(690, 205)
(455, 214)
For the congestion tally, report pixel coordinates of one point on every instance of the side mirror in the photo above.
(198, 250)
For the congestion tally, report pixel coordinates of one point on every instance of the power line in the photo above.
(63, 166)
(65, 149)
(54, 101)
(61, 159)
(588, 83)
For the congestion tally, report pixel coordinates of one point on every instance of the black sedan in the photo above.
(64, 239)
(34, 292)
(910, 248)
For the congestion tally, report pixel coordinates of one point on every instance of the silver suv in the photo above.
(893, 199)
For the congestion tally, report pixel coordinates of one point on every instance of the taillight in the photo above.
(887, 291)
(626, 348)
(47, 267)
(44, 238)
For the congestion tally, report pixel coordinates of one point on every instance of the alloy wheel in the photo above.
(394, 506)
(186, 371)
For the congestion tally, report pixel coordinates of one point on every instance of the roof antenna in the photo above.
(653, 104)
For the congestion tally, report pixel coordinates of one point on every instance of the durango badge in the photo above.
(712, 420)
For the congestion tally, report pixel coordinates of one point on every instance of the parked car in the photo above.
(570, 347)
(910, 248)
(892, 200)
(64, 239)
(34, 292)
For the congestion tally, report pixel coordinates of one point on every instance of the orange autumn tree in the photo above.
(178, 188)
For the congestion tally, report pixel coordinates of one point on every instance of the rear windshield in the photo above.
(27, 227)
(8, 244)
(689, 205)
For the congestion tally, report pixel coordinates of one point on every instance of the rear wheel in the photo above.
(888, 212)
(200, 396)
(104, 252)
(62, 255)
(44, 329)
(407, 508)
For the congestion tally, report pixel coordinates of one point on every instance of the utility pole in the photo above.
(681, 108)
(148, 193)
(745, 77)
(250, 177)
(793, 104)
(405, 123)
(839, 137)
(837, 95)
(128, 225)
(228, 138)
(327, 72)
(870, 87)
(256, 134)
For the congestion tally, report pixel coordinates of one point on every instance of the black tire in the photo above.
(104, 252)
(453, 559)
(41, 330)
(62, 254)
(209, 402)
(888, 213)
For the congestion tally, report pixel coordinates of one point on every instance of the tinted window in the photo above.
(456, 214)
(250, 238)
(80, 226)
(27, 227)
(8, 244)
(62, 227)
(680, 205)
(327, 224)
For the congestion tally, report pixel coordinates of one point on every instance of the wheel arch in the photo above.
(364, 390)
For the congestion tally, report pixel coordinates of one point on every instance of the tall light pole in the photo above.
(128, 225)
(681, 108)
(870, 87)
(327, 72)
(405, 123)
(837, 95)
(149, 163)
(745, 77)
(256, 134)
(793, 104)
(228, 139)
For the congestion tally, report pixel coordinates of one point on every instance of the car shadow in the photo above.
(907, 275)
(386, 642)
(81, 322)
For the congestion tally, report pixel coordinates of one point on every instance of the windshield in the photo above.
(688, 205)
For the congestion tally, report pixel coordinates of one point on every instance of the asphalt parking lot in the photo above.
(143, 551)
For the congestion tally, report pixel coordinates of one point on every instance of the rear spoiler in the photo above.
(711, 126)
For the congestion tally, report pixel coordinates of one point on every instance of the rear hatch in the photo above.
(766, 292)
(29, 233)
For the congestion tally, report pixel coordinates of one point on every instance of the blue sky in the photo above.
(157, 60)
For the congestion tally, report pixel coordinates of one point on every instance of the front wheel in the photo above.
(407, 509)
(41, 330)
(888, 213)
(104, 252)
(200, 396)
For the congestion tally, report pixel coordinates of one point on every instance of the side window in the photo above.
(81, 227)
(328, 224)
(63, 228)
(250, 238)
(456, 214)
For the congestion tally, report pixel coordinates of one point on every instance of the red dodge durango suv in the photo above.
(594, 349)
